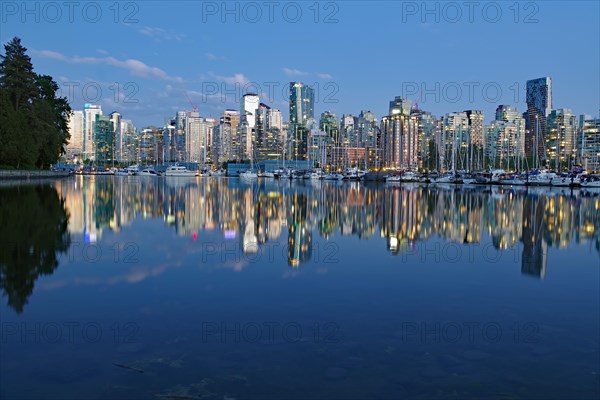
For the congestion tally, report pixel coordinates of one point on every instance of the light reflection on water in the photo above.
(214, 287)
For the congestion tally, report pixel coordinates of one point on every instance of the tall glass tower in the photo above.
(302, 110)
(539, 106)
(302, 103)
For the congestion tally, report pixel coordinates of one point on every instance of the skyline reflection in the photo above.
(48, 218)
(253, 215)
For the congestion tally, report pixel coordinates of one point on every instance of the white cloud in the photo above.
(135, 67)
(53, 55)
(236, 78)
(160, 33)
(294, 72)
(324, 76)
(211, 57)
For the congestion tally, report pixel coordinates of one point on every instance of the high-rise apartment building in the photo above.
(400, 139)
(90, 111)
(74, 148)
(539, 105)
(561, 138)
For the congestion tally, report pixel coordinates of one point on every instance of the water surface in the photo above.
(204, 288)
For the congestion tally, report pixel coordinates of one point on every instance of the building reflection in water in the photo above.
(536, 218)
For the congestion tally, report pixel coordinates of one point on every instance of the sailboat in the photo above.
(250, 174)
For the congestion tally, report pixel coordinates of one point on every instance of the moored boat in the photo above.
(179, 170)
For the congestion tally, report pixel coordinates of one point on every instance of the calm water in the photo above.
(141, 288)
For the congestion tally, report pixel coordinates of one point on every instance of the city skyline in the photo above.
(142, 79)
(408, 137)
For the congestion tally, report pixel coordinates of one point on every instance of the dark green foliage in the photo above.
(33, 120)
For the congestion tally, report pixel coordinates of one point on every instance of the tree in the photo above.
(17, 76)
(33, 120)
(50, 117)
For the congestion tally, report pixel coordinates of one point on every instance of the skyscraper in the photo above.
(90, 111)
(539, 106)
(454, 141)
(512, 140)
(504, 139)
(561, 137)
(274, 119)
(115, 118)
(428, 130)
(104, 139)
(589, 143)
(75, 146)
(249, 104)
(268, 132)
(369, 135)
(225, 137)
(399, 132)
(301, 102)
(128, 133)
(195, 138)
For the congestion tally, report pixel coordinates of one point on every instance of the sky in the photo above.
(149, 59)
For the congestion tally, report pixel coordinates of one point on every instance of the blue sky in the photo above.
(146, 56)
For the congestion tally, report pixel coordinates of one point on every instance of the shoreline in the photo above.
(31, 174)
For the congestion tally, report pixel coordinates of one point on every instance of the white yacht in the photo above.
(408, 176)
(334, 176)
(122, 172)
(147, 172)
(514, 180)
(541, 178)
(249, 175)
(450, 177)
(128, 171)
(179, 170)
(496, 174)
(592, 181)
(565, 180)
(351, 174)
(394, 177)
(316, 175)
(268, 175)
